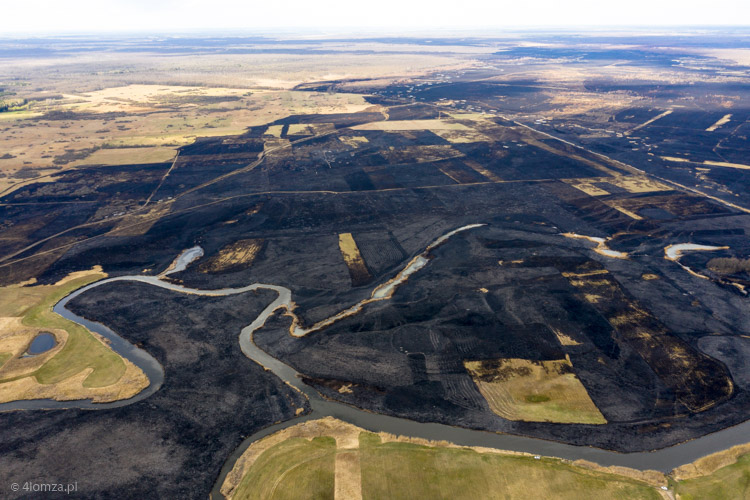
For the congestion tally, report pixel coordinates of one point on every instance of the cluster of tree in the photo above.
(729, 265)
(12, 105)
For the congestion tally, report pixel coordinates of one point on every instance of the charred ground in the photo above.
(174, 443)
(661, 351)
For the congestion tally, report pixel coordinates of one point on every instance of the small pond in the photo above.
(42, 343)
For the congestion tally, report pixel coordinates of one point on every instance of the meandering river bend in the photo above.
(664, 459)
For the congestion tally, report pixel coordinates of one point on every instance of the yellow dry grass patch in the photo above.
(637, 184)
(310, 128)
(239, 254)
(470, 116)
(79, 366)
(287, 71)
(129, 156)
(15, 339)
(649, 276)
(300, 129)
(162, 117)
(652, 477)
(274, 130)
(354, 141)
(10, 334)
(739, 166)
(567, 103)
(348, 473)
(168, 140)
(590, 189)
(675, 158)
(710, 463)
(625, 211)
(139, 98)
(630, 183)
(564, 339)
(618, 205)
(414, 125)
(353, 258)
(349, 249)
(18, 115)
(461, 136)
(130, 383)
(593, 298)
(534, 391)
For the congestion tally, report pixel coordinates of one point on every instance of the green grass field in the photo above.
(294, 469)
(407, 471)
(5, 356)
(81, 350)
(728, 483)
(303, 466)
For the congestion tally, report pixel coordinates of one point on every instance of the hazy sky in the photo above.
(175, 15)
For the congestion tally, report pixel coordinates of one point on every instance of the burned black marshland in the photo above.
(582, 184)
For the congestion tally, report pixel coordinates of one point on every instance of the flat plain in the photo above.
(527, 187)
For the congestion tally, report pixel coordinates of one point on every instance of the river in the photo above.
(664, 459)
